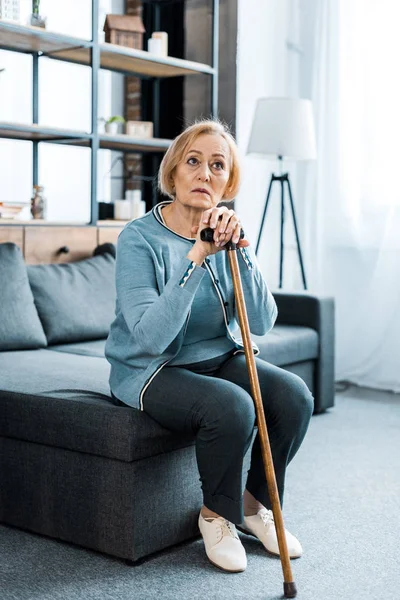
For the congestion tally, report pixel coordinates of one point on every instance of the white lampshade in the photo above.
(283, 127)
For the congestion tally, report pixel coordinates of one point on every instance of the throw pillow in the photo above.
(20, 326)
(75, 301)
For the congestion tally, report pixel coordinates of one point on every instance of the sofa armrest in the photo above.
(318, 312)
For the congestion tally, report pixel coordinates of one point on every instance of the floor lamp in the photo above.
(283, 128)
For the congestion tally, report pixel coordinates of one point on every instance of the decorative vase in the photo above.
(38, 203)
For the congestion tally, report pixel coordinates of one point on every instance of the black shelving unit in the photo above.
(40, 42)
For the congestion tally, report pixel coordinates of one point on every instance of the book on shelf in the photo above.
(12, 210)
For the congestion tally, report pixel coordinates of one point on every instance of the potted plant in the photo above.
(111, 125)
(36, 19)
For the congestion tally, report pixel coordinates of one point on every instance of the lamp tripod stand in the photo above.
(283, 178)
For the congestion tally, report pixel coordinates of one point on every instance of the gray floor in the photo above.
(342, 501)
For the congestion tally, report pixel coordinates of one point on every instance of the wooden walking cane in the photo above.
(289, 586)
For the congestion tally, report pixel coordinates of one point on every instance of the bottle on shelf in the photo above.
(38, 203)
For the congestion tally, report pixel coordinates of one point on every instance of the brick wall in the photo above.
(133, 162)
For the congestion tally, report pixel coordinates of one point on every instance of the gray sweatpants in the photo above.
(212, 399)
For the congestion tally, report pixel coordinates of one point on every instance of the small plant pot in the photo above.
(38, 21)
(111, 128)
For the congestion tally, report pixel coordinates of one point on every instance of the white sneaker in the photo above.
(223, 546)
(262, 526)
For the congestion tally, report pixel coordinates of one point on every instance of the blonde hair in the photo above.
(177, 150)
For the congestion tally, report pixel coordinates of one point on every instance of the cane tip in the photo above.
(289, 590)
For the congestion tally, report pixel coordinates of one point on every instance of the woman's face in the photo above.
(201, 177)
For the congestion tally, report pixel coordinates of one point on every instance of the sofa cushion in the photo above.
(91, 348)
(75, 301)
(288, 344)
(20, 326)
(69, 403)
(68, 406)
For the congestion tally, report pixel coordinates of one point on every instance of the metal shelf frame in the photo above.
(39, 42)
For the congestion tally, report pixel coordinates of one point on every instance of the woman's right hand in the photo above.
(217, 218)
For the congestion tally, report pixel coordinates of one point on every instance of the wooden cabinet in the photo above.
(12, 234)
(108, 234)
(43, 244)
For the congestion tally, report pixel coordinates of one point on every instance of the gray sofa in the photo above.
(73, 465)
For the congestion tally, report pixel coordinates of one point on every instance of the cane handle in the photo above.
(207, 234)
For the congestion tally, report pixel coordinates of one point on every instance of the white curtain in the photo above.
(352, 193)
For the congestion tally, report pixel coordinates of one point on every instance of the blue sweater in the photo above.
(170, 310)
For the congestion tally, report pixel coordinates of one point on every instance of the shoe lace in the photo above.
(267, 516)
(226, 528)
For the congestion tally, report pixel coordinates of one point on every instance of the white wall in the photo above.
(267, 29)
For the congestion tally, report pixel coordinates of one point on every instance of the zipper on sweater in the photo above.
(150, 379)
(224, 311)
(221, 301)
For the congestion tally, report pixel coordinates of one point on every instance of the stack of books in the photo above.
(11, 210)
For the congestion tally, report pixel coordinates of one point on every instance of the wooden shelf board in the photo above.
(128, 60)
(112, 223)
(44, 223)
(126, 143)
(26, 38)
(32, 132)
(119, 142)
(133, 62)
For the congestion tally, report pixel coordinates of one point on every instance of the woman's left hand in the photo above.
(226, 224)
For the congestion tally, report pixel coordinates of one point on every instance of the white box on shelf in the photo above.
(155, 46)
(163, 36)
(122, 210)
(139, 129)
(138, 206)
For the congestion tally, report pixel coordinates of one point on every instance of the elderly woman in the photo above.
(173, 350)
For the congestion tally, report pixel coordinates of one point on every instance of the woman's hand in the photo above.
(226, 225)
